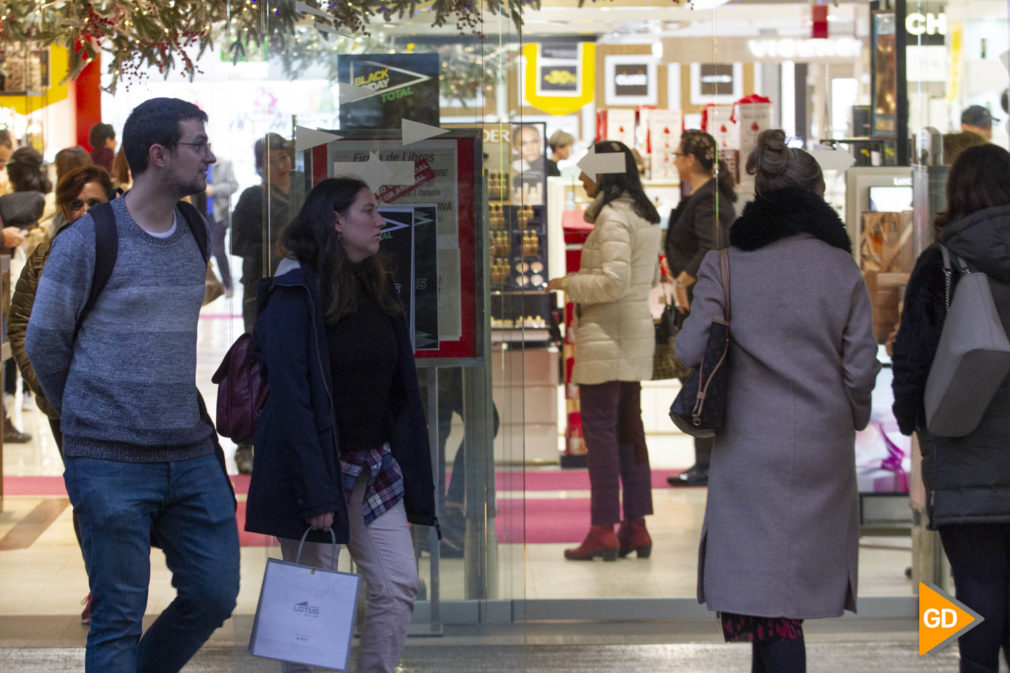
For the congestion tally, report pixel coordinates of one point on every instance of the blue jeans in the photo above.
(187, 507)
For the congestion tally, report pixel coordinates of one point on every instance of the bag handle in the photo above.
(333, 542)
(662, 284)
(704, 380)
(947, 274)
(948, 271)
(724, 268)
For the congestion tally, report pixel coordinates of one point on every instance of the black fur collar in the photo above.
(782, 213)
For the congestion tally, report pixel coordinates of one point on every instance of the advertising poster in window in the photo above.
(434, 180)
(398, 250)
(403, 86)
(529, 164)
(884, 51)
(410, 241)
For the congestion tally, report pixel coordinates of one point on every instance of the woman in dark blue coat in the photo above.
(342, 444)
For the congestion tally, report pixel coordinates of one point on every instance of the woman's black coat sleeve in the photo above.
(915, 346)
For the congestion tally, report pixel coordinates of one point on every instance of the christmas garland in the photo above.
(136, 35)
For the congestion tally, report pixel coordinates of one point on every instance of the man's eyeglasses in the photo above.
(77, 204)
(203, 147)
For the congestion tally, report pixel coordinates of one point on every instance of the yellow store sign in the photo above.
(33, 77)
(559, 79)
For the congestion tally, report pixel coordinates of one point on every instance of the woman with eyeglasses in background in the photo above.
(698, 224)
(77, 192)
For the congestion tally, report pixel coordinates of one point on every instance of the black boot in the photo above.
(693, 476)
(453, 527)
(14, 436)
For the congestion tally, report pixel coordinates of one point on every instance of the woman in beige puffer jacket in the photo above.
(615, 338)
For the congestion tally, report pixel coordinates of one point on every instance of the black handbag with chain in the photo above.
(700, 407)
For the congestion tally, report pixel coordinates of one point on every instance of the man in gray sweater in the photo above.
(140, 451)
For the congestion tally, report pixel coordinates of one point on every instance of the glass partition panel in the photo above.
(473, 133)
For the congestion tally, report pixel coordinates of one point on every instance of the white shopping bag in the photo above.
(305, 615)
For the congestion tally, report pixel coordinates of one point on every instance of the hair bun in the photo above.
(771, 156)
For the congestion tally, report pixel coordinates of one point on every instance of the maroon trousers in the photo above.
(617, 455)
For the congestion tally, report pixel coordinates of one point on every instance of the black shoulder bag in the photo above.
(700, 408)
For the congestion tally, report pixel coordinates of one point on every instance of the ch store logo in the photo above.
(304, 608)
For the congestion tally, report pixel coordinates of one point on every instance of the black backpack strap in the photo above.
(198, 225)
(106, 250)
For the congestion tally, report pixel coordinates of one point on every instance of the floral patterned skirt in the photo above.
(748, 629)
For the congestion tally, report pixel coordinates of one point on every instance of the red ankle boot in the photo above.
(633, 536)
(600, 541)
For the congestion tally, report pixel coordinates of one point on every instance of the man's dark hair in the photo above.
(155, 122)
(99, 133)
(5, 139)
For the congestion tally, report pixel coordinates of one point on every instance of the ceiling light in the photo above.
(706, 4)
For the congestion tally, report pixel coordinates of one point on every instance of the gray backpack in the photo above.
(972, 359)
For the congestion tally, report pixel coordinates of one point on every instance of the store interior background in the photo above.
(812, 99)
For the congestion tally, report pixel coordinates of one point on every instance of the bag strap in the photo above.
(949, 260)
(106, 250)
(724, 268)
(197, 225)
(948, 273)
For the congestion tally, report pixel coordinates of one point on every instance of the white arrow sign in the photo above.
(598, 163)
(414, 132)
(833, 160)
(376, 172)
(349, 93)
(306, 138)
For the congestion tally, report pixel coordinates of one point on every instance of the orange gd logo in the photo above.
(942, 619)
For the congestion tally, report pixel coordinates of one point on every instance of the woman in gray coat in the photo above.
(780, 538)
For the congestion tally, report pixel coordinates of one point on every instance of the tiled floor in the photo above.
(42, 584)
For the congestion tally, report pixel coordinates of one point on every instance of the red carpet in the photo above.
(560, 480)
(542, 520)
(533, 520)
(546, 520)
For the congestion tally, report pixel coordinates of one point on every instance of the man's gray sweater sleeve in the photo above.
(62, 293)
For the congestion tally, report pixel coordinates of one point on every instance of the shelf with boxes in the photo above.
(518, 250)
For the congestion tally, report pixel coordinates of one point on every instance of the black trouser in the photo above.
(218, 232)
(703, 452)
(779, 656)
(979, 557)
